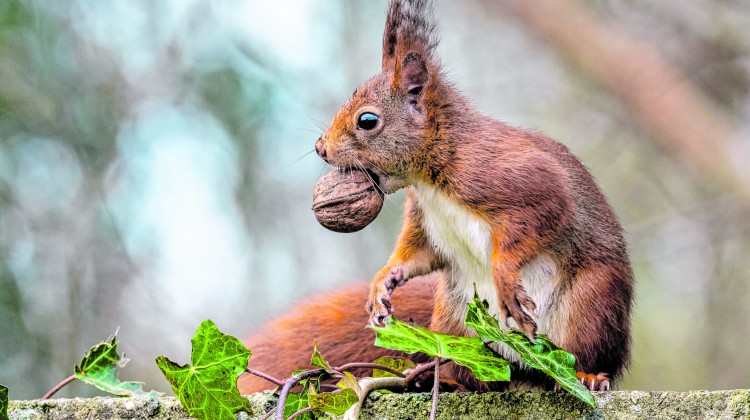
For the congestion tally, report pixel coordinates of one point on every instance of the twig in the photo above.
(265, 376)
(300, 412)
(349, 366)
(397, 383)
(418, 371)
(435, 390)
(57, 387)
(289, 384)
(373, 384)
(268, 415)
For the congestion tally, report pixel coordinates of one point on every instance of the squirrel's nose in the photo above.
(321, 149)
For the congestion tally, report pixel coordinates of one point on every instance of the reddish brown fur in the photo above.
(535, 196)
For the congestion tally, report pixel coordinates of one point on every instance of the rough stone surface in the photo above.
(548, 405)
(515, 405)
(118, 408)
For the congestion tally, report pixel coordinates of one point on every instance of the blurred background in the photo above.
(154, 166)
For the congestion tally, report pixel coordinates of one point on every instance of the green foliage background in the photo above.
(150, 171)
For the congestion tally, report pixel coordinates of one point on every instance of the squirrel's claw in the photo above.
(379, 305)
(380, 310)
(516, 306)
(598, 382)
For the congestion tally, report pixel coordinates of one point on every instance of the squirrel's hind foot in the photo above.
(595, 382)
(598, 382)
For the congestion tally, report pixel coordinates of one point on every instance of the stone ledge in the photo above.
(518, 405)
(548, 405)
(117, 408)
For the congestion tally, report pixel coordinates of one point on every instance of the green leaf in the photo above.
(397, 363)
(470, 352)
(318, 360)
(208, 388)
(99, 368)
(296, 402)
(543, 355)
(314, 383)
(3, 402)
(349, 382)
(333, 403)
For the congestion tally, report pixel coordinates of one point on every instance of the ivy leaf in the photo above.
(3, 402)
(335, 403)
(544, 355)
(208, 388)
(470, 352)
(349, 382)
(296, 402)
(318, 360)
(396, 363)
(99, 368)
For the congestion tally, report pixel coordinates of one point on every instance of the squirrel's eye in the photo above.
(367, 121)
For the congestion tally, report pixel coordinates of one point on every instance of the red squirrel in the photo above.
(508, 210)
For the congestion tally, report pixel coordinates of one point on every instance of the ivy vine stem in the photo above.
(289, 384)
(299, 413)
(265, 376)
(350, 366)
(59, 386)
(435, 390)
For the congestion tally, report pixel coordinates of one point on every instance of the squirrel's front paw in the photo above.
(513, 305)
(379, 305)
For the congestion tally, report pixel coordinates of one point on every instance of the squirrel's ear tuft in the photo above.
(408, 27)
(390, 35)
(413, 76)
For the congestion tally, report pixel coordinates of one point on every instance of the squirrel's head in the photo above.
(384, 127)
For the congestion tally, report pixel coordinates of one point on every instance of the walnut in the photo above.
(346, 201)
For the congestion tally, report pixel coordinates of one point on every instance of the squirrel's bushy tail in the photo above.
(409, 27)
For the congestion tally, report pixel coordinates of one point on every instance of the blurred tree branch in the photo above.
(680, 118)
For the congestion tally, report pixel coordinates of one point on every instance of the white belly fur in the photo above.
(465, 242)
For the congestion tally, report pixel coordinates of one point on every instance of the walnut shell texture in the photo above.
(346, 201)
